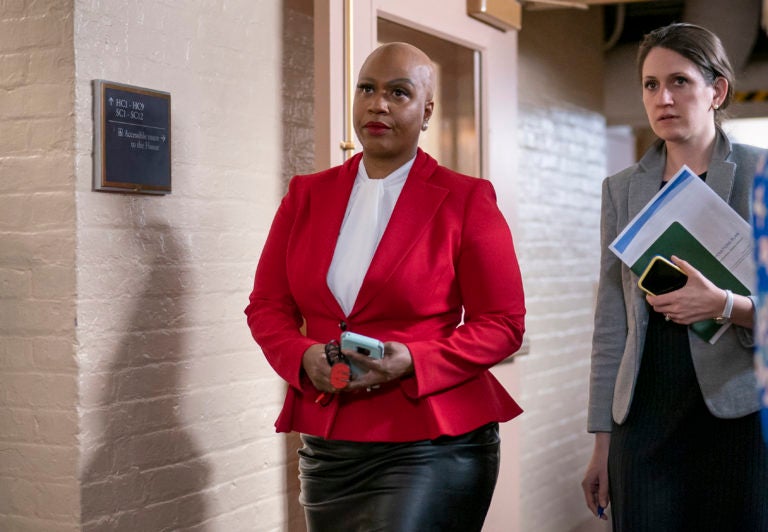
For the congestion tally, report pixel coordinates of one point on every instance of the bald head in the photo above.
(392, 105)
(410, 58)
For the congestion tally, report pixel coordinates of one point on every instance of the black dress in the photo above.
(673, 466)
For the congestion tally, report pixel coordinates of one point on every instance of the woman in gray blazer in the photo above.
(677, 436)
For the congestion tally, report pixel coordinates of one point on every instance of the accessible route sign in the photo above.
(132, 139)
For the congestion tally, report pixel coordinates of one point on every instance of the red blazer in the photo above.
(446, 250)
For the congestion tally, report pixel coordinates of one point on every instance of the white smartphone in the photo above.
(365, 345)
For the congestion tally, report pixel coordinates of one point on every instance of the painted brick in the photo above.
(43, 463)
(50, 30)
(42, 390)
(30, 317)
(14, 283)
(15, 354)
(53, 281)
(41, 211)
(27, 524)
(37, 426)
(23, 135)
(54, 502)
(562, 156)
(32, 173)
(13, 70)
(34, 101)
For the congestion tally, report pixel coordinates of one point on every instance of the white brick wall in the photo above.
(562, 164)
(176, 402)
(38, 372)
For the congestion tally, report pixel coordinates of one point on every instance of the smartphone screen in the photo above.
(661, 277)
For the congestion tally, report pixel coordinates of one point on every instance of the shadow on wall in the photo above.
(144, 472)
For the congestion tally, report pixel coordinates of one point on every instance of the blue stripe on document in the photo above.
(672, 189)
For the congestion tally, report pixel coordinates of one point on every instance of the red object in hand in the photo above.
(340, 375)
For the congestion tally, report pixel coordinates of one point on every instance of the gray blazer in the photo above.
(725, 370)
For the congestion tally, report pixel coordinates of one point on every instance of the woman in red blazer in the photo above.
(392, 246)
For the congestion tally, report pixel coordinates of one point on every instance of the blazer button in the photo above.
(343, 325)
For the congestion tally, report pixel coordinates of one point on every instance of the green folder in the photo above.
(676, 240)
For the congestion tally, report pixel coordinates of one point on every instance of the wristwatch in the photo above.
(725, 315)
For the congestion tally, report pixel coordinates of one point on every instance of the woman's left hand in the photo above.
(698, 300)
(396, 363)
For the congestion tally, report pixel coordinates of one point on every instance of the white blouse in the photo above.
(368, 211)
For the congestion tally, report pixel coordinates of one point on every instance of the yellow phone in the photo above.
(661, 276)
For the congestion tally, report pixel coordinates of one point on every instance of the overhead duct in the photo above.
(736, 22)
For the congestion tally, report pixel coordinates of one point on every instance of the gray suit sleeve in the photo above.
(610, 333)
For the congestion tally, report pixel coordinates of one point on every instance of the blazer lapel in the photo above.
(416, 206)
(646, 182)
(721, 172)
(330, 196)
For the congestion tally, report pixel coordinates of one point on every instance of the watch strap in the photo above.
(725, 315)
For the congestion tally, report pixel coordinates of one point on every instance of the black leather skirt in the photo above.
(439, 485)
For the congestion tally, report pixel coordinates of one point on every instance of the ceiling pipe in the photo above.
(736, 22)
(618, 27)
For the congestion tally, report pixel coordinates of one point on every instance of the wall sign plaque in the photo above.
(132, 139)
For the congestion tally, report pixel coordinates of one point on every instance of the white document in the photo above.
(687, 199)
(688, 219)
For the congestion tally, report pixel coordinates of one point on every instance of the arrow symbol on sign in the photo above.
(111, 100)
(163, 137)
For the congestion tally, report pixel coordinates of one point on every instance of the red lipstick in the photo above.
(376, 128)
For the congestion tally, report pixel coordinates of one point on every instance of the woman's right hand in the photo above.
(595, 483)
(396, 363)
(317, 368)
